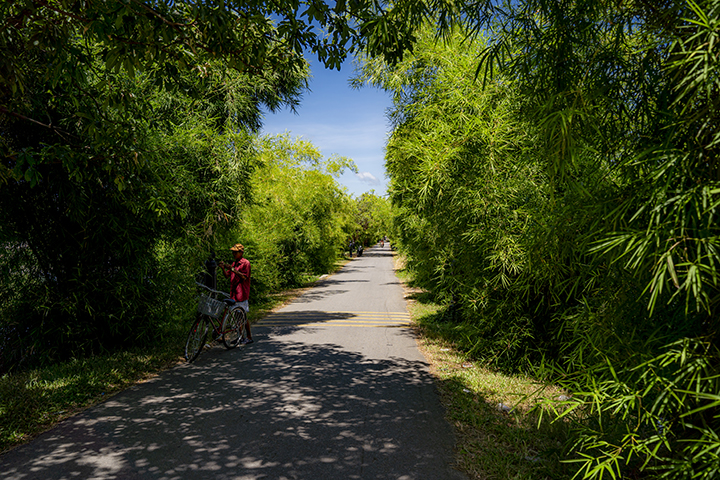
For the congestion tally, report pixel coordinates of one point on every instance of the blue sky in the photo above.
(339, 119)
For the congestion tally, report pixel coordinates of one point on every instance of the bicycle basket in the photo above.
(209, 306)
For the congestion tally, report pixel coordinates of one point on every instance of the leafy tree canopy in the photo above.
(299, 215)
(286, 151)
(373, 218)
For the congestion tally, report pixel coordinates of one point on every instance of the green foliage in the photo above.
(164, 39)
(108, 203)
(634, 90)
(635, 86)
(468, 193)
(125, 137)
(373, 218)
(656, 413)
(296, 223)
(565, 206)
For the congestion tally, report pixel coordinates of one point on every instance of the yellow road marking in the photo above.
(368, 313)
(354, 319)
(317, 312)
(337, 322)
(330, 324)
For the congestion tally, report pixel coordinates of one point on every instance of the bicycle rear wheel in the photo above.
(233, 327)
(196, 338)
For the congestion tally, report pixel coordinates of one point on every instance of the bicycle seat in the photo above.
(229, 301)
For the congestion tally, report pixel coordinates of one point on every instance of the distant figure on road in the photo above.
(239, 273)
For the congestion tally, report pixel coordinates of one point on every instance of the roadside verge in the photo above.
(495, 415)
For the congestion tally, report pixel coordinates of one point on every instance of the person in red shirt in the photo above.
(239, 273)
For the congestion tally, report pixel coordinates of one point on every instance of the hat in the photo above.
(238, 247)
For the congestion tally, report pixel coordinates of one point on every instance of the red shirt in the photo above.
(239, 288)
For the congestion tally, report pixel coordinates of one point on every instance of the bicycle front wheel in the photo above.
(233, 327)
(196, 338)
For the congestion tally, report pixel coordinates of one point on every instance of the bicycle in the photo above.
(226, 319)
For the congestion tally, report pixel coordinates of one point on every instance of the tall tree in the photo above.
(373, 218)
(297, 221)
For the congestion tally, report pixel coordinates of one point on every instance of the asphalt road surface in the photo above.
(333, 388)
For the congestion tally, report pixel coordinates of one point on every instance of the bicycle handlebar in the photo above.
(211, 290)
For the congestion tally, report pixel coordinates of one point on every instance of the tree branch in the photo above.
(28, 119)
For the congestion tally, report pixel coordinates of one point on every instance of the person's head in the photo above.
(237, 250)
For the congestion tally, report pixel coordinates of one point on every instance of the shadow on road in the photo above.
(374, 252)
(329, 287)
(292, 411)
(307, 316)
(355, 267)
(317, 294)
(285, 322)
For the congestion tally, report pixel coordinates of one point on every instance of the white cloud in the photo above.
(368, 177)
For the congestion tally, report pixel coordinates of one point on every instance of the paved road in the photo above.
(333, 388)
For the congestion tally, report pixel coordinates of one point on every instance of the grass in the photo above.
(33, 401)
(492, 442)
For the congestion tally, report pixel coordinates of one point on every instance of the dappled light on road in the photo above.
(278, 414)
